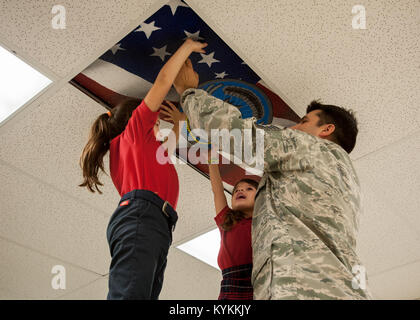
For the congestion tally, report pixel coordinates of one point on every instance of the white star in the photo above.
(208, 58)
(174, 4)
(115, 48)
(221, 75)
(161, 53)
(195, 36)
(147, 28)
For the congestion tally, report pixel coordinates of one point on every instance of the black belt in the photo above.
(165, 207)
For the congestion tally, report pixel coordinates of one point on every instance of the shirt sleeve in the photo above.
(140, 125)
(277, 145)
(220, 218)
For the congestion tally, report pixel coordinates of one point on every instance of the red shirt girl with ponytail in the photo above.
(140, 230)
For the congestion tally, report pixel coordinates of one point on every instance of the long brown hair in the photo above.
(234, 216)
(103, 130)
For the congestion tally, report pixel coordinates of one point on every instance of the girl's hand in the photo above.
(196, 46)
(171, 113)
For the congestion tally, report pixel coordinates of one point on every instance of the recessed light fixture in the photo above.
(19, 82)
(204, 247)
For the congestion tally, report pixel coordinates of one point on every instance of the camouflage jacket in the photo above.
(306, 209)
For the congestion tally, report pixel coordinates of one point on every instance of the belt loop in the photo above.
(169, 217)
(164, 207)
(133, 194)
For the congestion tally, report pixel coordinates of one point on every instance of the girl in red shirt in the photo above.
(235, 254)
(140, 230)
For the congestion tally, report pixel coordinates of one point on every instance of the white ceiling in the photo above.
(303, 50)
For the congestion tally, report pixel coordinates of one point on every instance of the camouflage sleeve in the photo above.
(289, 150)
(215, 116)
(207, 112)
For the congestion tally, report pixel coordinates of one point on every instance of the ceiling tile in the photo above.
(399, 283)
(40, 218)
(177, 285)
(46, 140)
(96, 290)
(390, 225)
(393, 174)
(201, 282)
(90, 25)
(26, 274)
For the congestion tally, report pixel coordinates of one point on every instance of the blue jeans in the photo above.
(139, 235)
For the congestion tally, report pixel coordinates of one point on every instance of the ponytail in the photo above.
(105, 128)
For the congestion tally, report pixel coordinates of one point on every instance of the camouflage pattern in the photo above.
(306, 209)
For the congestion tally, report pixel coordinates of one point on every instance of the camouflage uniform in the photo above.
(306, 208)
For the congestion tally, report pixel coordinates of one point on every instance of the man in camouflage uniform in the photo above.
(307, 204)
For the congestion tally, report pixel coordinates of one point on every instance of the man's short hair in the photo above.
(345, 123)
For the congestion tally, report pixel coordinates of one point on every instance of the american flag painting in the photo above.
(130, 67)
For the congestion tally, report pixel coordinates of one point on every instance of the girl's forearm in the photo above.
(170, 144)
(167, 76)
(217, 187)
(215, 178)
(175, 130)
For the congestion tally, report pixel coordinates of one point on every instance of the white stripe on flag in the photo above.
(121, 81)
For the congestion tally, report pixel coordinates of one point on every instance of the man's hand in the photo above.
(186, 78)
(171, 113)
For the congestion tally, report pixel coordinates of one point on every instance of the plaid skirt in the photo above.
(236, 283)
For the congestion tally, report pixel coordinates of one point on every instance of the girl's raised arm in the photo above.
(168, 73)
(217, 187)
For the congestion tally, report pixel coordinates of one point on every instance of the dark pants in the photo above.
(139, 235)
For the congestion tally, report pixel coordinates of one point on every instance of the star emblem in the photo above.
(115, 48)
(160, 52)
(195, 36)
(221, 75)
(147, 28)
(208, 58)
(174, 4)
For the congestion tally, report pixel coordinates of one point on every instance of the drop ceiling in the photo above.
(302, 50)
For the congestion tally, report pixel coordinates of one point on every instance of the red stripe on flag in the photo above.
(280, 108)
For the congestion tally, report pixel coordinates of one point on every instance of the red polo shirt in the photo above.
(132, 159)
(235, 245)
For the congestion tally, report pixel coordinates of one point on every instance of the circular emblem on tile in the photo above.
(248, 98)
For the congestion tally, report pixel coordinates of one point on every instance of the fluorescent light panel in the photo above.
(204, 247)
(19, 82)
